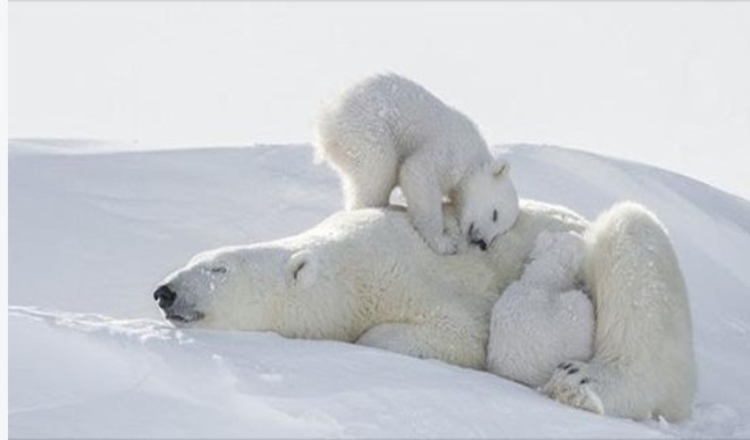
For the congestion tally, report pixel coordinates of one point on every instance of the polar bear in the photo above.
(362, 276)
(367, 277)
(388, 131)
(543, 319)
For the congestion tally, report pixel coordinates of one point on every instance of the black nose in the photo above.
(165, 296)
(481, 243)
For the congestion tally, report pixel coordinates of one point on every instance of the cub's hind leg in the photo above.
(368, 171)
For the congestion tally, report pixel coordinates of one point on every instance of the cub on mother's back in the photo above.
(388, 131)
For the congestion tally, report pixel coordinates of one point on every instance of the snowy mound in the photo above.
(93, 228)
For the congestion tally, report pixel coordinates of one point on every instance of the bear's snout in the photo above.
(165, 296)
(476, 238)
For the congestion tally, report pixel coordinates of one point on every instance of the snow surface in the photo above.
(94, 227)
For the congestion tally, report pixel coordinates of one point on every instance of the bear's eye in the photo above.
(494, 215)
(218, 269)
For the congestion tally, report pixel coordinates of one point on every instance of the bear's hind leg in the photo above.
(369, 176)
(643, 362)
(360, 194)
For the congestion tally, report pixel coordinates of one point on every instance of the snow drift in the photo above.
(93, 228)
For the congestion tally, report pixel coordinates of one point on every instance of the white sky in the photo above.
(664, 83)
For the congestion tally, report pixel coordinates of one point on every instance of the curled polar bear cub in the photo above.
(543, 319)
(388, 131)
(366, 276)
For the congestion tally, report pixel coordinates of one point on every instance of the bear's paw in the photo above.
(571, 385)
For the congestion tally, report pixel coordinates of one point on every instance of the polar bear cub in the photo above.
(388, 131)
(543, 319)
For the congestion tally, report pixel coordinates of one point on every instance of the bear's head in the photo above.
(306, 285)
(487, 203)
(265, 287)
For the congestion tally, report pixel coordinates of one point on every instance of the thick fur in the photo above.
(643, 364)
(363, 276)
(366, 276)
(387, 131)
(543, 318)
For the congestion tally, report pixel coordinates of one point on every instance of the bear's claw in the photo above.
(570, 385)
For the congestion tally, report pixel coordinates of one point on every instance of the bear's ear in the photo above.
(301, 269)
(500, 167)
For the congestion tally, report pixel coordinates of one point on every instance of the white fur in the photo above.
(543, 318)
(363, 276)
(366, 276)
(387, 131)
(643, 364)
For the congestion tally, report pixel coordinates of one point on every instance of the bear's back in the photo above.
(402, 115)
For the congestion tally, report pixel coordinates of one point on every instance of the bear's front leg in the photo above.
(427, 342)
(424, 201)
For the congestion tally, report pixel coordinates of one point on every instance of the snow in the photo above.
(93, 227)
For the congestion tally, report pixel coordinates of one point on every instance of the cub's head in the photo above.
(487, 203)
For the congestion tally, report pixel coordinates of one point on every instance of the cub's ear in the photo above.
(500, 167)
(301, 269)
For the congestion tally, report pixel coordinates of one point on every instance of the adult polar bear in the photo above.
(366, 276)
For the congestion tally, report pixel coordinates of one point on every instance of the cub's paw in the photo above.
(443, 245)
(572, 385)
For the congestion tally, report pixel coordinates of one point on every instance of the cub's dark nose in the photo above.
(165, 296)
(475, 238)
(481, 243)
